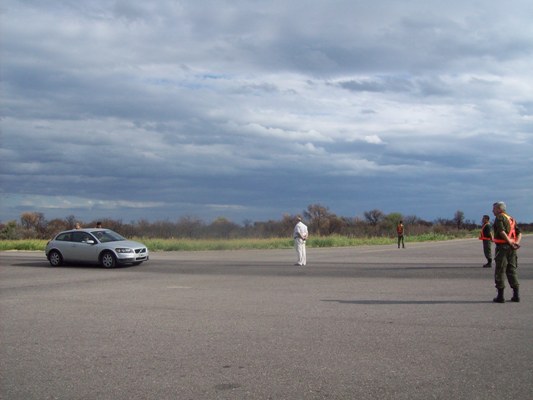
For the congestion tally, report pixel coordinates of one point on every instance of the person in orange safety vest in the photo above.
(400, 230)
(486, 236)
(507, 237)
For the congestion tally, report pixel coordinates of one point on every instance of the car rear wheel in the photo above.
(108, 260)
(55, 258)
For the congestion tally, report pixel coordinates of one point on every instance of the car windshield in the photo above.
(107, 236)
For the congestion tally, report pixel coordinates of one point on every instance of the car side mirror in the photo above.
(90, 242)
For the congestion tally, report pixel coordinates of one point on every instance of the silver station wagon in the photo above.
(94, 246)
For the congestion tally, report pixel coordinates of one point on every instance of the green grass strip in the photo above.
(240, 244)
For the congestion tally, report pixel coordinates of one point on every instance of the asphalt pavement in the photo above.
(369, 322)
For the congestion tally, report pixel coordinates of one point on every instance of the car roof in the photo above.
(89, 230)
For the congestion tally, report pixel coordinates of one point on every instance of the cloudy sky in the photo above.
(252, 109)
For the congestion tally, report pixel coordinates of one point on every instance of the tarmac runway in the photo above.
(370, 322)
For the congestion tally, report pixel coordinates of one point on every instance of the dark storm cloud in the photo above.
(392, 84)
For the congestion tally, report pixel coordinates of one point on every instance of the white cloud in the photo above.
(374, 139)
(68, 203)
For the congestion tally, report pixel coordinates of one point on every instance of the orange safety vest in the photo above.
(399, 229)
(481, 235)
(512, 232)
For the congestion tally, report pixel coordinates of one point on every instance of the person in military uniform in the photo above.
(507, 238)
(486, 236)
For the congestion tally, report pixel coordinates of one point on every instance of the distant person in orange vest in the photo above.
(400, 230)
(507, 237)
(486, 236)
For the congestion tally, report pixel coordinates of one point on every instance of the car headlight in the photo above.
(123, 250)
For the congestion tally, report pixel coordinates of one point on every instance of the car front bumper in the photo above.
(130, 258)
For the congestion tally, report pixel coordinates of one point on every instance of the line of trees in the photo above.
(320, 220)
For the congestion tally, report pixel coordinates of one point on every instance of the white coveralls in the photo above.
(300, 235)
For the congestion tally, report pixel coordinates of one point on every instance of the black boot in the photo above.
(516, 296)
(488, 264)
(499, 298)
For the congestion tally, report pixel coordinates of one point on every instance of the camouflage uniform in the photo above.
(506, 258)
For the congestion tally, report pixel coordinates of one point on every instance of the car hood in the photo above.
(125, 243)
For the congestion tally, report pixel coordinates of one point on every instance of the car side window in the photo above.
(64, 237)
(81, 237)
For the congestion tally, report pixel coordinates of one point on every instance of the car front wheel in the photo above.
(108, 260)
(55, 258)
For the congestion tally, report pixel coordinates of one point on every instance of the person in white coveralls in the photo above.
(300, 236)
